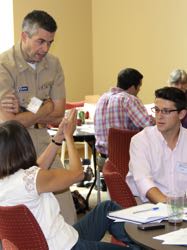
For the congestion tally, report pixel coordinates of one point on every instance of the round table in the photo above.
(145, 238)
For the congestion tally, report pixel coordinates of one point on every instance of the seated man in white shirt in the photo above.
(158, 156)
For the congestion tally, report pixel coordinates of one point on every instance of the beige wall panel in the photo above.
(73, 40)
(149, 35)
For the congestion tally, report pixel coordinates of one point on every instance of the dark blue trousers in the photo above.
(93, 226)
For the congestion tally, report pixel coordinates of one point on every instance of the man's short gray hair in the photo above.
(38, 19)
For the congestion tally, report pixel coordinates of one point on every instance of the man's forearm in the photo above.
(155, 195)
(54, 117)
(51, 120)
(51, 112)
(27, 118)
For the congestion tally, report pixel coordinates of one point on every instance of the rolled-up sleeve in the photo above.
(6, 81)
(58, 90)
(138, 113)
(140, 178)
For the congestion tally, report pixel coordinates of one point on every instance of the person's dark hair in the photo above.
(38, 19)
(129, 77)
(173, 94)
(16, 148)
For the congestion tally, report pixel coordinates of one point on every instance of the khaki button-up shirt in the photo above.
(46, 80)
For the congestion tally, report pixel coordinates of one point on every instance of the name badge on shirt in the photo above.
(23, 89)
(182, 167)
(34, 105)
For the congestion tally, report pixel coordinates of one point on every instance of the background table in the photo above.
(145, 238)
(90, 139)
(86, 133)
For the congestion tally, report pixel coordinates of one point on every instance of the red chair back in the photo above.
(118, 148)
(116, 169)
(20, 230)
(118, 189)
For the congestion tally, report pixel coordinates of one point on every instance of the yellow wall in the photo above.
(149, 35)
(73, 40)
(97, 38)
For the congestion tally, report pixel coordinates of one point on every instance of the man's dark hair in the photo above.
(129, 77)
(16, 148)
(173, 94)
(38, 19)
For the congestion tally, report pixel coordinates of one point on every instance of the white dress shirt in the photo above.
(154, 164)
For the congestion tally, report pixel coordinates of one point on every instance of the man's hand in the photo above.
(10, 103)
(152, 119)
(49, 106)
(55, 117)
(46, 108)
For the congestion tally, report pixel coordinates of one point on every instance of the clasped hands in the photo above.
(67, 126)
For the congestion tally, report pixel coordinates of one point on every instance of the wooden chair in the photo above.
(19, 230)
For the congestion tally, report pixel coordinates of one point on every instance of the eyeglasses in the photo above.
(163, 111)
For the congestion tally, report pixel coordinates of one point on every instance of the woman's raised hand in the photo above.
(67, 126)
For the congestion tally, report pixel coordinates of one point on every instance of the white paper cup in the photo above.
(175, 206)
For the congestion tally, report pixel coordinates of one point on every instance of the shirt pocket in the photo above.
(23, 94)
(44, 90)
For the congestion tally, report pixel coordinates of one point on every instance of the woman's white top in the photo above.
(20, 188)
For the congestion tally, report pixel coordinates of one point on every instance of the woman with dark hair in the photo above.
(24, 179)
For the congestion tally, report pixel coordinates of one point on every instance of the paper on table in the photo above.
(178, 237)
(87, 128)
(129, 214)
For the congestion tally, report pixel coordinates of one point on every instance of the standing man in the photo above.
(158, 158)
(120, 108)
(36, 79)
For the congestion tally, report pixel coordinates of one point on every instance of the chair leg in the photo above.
(85, 150)
(98, 186)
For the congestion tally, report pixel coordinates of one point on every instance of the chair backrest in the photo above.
(20, 230)
(118, 148)
(118, 189)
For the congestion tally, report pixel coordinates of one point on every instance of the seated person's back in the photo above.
(120, 108)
